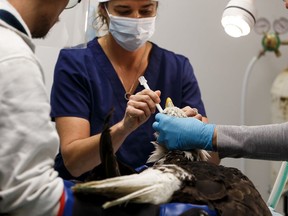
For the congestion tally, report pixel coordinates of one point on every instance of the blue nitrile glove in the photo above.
(183, 133)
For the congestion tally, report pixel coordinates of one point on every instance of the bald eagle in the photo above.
(182, 177)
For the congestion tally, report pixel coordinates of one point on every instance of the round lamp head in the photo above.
(239, 17)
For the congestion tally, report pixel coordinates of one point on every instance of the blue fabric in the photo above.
(87, 86)
(169, 209)
(141, 168)
(176, 209)
(68, 210)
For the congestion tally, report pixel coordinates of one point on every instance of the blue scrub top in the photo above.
(87, 86)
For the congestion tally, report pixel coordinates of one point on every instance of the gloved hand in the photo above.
(183, 133)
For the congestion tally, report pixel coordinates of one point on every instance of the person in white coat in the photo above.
(28, 143)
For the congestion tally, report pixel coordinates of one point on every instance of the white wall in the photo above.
(192, 28)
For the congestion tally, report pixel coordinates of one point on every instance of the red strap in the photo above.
(62, 204)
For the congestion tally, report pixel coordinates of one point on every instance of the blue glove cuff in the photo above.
(208, 133)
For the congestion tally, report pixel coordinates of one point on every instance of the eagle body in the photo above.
(225, 189)
(154, 185)
(181, 177)
(178, 179)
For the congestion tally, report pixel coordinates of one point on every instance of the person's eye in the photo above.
(147, 12)
(123, 12)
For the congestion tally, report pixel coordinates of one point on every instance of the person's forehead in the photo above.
(132, 3)
(128, 1)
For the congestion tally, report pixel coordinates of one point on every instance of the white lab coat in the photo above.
(29, 186)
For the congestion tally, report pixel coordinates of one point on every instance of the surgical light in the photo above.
(239, 17)
(72, 3)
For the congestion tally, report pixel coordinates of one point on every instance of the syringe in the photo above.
(143, 82)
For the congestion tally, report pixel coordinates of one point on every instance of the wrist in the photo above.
(121, 129)
(214, 139)
(209, 136)
(119, 132)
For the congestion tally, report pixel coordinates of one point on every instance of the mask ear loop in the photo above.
(106, 9)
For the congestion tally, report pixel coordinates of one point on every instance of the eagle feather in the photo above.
(182, 176)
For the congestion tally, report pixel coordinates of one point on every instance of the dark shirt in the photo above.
(87, 86)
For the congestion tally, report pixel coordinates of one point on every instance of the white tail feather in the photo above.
(154, 185)
(136, 197)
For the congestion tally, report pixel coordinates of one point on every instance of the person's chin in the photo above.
(40, 34)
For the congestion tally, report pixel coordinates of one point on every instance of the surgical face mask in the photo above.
(131, 33)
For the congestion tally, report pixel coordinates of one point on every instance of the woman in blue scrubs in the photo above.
(89, 82)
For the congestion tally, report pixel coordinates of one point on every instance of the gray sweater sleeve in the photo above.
(267, 142)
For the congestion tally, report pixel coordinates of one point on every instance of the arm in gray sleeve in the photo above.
(267, 142)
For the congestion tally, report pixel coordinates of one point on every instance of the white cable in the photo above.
(243, 97)
(244, 87)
